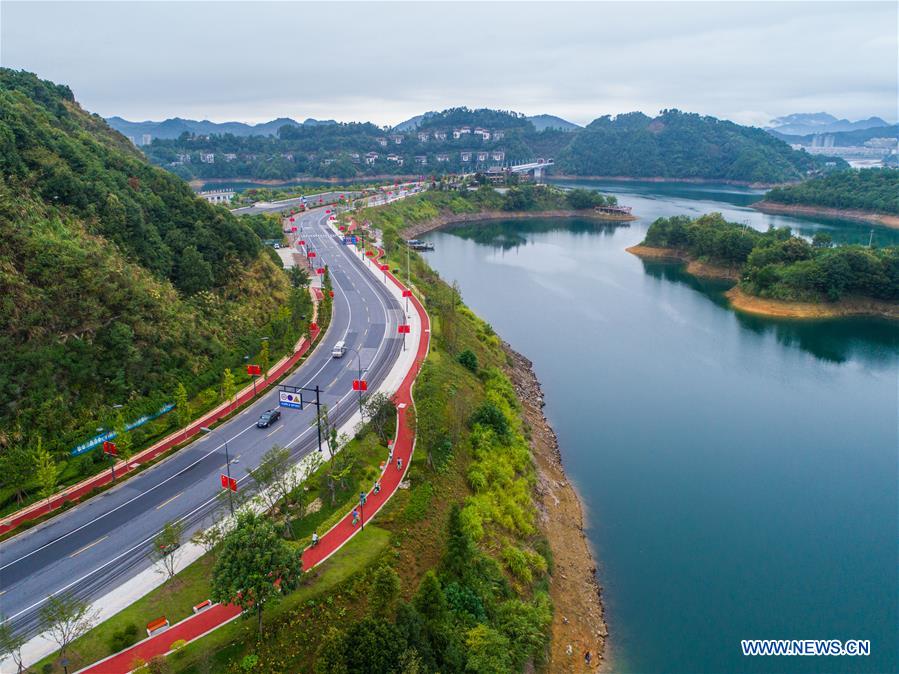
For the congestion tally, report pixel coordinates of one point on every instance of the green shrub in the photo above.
(469, 360)
(123, 638)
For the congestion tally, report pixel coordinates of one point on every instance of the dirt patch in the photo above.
(578, 617)
(445, 219)
(884, 219)
(849, 306)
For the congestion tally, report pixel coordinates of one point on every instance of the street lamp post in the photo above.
(359, 368)
(206, 429)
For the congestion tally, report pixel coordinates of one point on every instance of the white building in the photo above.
(442, 157)
(230, 156)
(217, 196)
(440, 135)
(483, 133)
(397, 140)
(498, 155)
(482, 156)
(421, 159)
(458, 133)
(382, 142)
(207, 157)
(465, 156)
(146, 139)
(499, 135)
(423, 136)
(371, 158)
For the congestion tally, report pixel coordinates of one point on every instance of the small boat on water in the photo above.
(416, 244)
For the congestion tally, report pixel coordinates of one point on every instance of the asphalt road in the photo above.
(312, 200)
(98, 545)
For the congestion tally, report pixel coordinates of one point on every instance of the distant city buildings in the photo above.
(207, 157)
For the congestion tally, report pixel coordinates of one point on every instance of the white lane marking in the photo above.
(186, 516)
(122, 505)
(277, 428)
(166, 502)
(88, 546)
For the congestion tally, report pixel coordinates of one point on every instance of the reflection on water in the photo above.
(654, 200)
(835, 340)
(738, 472)
(507, 234)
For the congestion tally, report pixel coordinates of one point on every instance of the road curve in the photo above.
(96, 546)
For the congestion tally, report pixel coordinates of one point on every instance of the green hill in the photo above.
(116, 282)
(684, 145)
(875, 190)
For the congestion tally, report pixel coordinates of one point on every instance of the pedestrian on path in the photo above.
(587, 658)
(314, 539)
(355, 517)
(378, 487)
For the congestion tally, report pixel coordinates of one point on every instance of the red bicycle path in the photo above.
(200, 624)
(79, 490)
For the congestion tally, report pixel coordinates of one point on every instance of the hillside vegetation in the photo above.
(683, 145)
(673, 145)
(116, 283)
(777, 265)
(875, 190)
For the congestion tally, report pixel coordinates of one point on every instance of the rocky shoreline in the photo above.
(891, 221)
(445, 219)
(578, 617)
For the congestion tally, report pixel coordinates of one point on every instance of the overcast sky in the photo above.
(384, 62)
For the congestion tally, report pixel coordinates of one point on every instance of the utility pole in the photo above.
(318, 418)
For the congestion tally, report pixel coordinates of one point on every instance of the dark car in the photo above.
(268, 418)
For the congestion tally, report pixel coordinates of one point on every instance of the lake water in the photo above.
(739, 474)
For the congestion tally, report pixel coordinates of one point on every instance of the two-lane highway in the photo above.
(100, 544)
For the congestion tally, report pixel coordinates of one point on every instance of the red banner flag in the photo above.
(407, 293)
(403, 329)
(110, 448)
(254, 369)
(385, 267)
(360, 385)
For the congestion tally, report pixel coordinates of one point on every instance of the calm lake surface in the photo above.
(739, 474)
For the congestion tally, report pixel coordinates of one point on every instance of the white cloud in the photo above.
(388, 61)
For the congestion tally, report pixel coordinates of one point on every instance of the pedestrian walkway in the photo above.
(201, 624)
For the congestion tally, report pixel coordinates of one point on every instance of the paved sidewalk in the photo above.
(198, 625)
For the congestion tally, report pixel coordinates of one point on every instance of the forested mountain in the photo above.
(875, 190)
(116, 282)
(672, 145)
(683, 145)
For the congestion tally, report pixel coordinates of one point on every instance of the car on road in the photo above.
(267, 418)
(338, 350)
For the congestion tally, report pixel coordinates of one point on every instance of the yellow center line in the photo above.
(88, 546)
(165, 503)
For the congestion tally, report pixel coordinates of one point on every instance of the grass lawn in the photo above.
(174, 600)
(221, 649)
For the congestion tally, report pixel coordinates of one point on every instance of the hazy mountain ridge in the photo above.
(175, 126)
(803, 123)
